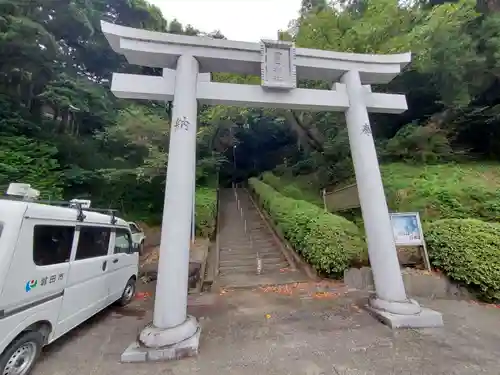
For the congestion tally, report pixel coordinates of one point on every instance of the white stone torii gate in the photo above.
(186, 60)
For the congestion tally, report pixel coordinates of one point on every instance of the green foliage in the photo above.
(65, 133)
(420, 144)
(444, 191)
(206, 211)
(62, 130)
(290, 189)
(22, 160)
(328, 242)
(140, 201)
(270, 179)
(451, 85)
(468, 251)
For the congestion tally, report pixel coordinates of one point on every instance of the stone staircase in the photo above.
(244, 237)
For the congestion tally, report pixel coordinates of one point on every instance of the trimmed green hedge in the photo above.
(468, 251)
(206, 211)
(290, 190)
(328, 242)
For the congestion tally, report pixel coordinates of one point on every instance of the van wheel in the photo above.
(128, 293)
(21, 355)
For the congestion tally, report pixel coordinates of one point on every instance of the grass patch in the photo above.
(444, 191)
(206, 211)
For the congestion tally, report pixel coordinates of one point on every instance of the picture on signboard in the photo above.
(406, 228)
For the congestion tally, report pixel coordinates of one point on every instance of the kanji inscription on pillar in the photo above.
(366, 129)
(182, 123)
(278, 65)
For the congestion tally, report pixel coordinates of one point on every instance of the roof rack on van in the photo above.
(24, 192)
(111, 212)
(81, 209)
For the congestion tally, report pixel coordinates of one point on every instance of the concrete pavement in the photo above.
(305, 329)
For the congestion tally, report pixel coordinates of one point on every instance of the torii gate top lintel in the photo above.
(161, 50)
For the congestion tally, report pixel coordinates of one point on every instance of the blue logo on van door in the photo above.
(31, 284)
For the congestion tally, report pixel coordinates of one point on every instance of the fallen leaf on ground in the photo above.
(356, 308)
(320, 295)
(142, 295)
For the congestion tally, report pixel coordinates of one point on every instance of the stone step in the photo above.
(253, 280)
(278, 262)
(258, 228)
(233, 233)
(248, 256)
(263, 240)
(245, 244)
(248, 251)
(250, 261)
(258, 246)
(233, 243)
(260, 237)
(238, 249)
(252, 269)
(251, 255)
(228, 263)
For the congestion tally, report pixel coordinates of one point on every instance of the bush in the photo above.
(270, 179)
(206, 211)
(328, 242)
(468, 251)
(26, 161)
(290, 190)
(446, 191)
(423, 144)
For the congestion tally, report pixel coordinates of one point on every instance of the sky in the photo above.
(242, 20)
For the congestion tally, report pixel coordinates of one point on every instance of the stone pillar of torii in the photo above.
(187, 62)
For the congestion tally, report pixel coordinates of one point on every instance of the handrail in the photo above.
(248, 232)
(217, 230)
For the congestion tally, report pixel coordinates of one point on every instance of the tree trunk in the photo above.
(303, 132)
(488, 6)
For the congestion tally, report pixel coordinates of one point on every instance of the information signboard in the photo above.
(407, 231)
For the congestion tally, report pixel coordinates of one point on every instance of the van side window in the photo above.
(133, 228)
(52, 244)
(93, 242)
(123, 241)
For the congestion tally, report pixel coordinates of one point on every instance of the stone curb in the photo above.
(417, 284)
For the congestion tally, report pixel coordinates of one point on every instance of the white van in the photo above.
(58, 267)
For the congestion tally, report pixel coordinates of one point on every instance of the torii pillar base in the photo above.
(405, 317)
(155, 345)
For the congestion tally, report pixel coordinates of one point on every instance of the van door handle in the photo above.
(115, 260)
(104, 264)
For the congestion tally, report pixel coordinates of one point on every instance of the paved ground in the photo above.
(306, 329)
